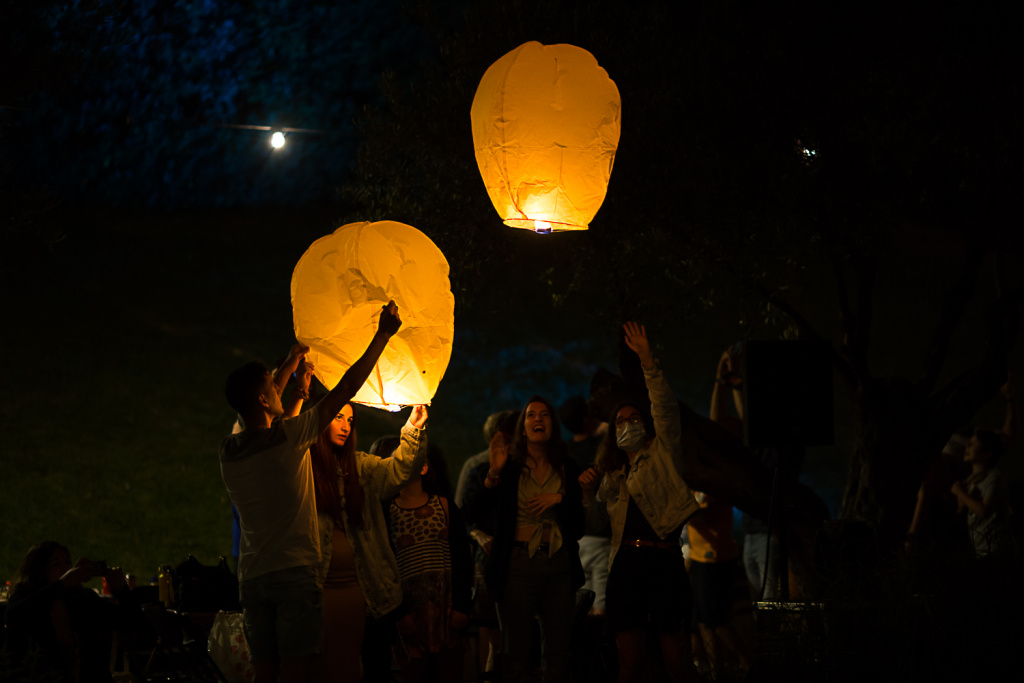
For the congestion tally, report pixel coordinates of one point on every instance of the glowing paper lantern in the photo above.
(338, 288)
(545, 129)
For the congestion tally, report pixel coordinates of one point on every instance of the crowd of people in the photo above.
(349, 561)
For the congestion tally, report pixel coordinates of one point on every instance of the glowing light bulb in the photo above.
(277, 140)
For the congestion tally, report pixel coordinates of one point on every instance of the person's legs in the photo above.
(490, 648)
(671, 604)
(376, 650)
(757, 564)
(415, 670)
(258, 619)
(282, 616)
(711, 648)
(557, 606)
(448, 665)
(296, 669)
(344, 615)
(727, 635)
(266, 670)
(716, 610)
(516, 612)
(678, 657)
(627, 612)
(630, 646)
(489, 635)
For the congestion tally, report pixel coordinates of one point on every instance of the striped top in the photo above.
(420, 539)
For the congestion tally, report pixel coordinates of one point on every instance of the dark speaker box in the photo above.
(787, 393)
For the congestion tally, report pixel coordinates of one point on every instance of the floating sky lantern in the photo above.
(338, 288)
(545, 129)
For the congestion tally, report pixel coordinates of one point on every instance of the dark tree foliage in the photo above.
(767, 154)
(154, 127)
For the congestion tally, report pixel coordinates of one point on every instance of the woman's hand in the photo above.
(588, 481)
(636, 340)
(539, 503)
(497, 455)
(418, 417)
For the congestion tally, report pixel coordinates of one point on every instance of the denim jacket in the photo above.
(654, 481)
(376, 567)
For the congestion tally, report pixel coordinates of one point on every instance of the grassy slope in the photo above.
(118, 340)
(121, 339)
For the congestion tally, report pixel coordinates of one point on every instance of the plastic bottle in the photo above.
(166, 589)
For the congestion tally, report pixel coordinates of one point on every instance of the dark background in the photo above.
(148, 240)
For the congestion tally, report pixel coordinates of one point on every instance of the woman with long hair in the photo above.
(648, 503)
(533, 501)
(358, 569)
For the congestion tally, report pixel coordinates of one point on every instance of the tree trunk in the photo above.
(891, 450)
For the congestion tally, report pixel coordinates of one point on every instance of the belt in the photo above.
(660, 545)
(525, 545)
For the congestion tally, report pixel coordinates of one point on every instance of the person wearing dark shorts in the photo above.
(712, 584)
(651, 588)
(648, 504)
(713, 555)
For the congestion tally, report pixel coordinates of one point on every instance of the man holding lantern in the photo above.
(267, 472)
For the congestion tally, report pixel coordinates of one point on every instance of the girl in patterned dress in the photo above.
(435, 564)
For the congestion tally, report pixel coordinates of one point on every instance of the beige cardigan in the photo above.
(381, 479)
(654, 481)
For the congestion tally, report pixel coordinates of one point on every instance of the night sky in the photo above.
(149, 236)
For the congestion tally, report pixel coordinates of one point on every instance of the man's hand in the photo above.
(541, 502)
(588, 481)
(389, 320)
(636, 340)
(497, 456)
(84, 570)
(304, 374)
(418, 417)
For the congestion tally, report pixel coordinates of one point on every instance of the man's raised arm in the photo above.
(331, 404)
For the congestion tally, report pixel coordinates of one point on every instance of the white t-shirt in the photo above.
(270, 481)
